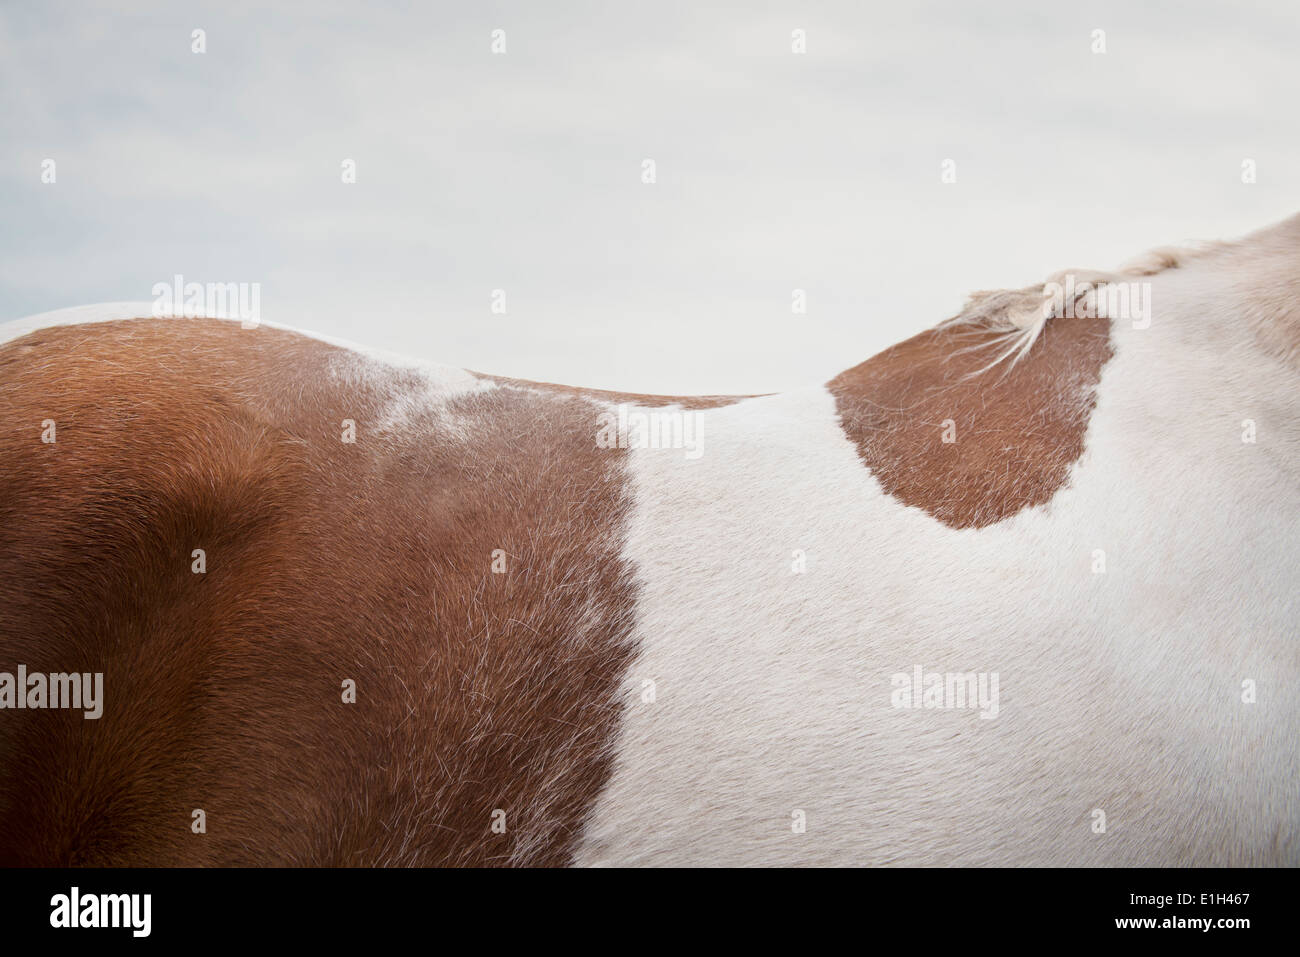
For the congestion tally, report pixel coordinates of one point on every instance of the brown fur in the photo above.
(1018, 430)
(325, 561)
(687, 402)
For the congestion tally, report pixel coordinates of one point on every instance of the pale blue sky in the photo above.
(775, 171)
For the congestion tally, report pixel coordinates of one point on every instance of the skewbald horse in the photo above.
(1019, 590)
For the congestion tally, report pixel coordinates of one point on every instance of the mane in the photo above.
(1017, 317)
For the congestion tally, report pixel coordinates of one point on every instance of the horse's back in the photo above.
(378, 612)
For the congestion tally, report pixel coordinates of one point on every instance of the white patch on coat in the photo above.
(1119, 691)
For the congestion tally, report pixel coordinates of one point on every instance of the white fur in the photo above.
(1119, 691)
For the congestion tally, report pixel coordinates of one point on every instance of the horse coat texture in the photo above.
(352, 609)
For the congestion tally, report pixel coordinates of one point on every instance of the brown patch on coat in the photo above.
(326, 561)
(1018, 428)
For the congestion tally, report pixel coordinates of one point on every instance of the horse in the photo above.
(1020, 590)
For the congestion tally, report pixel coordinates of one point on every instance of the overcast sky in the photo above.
(522, 171)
